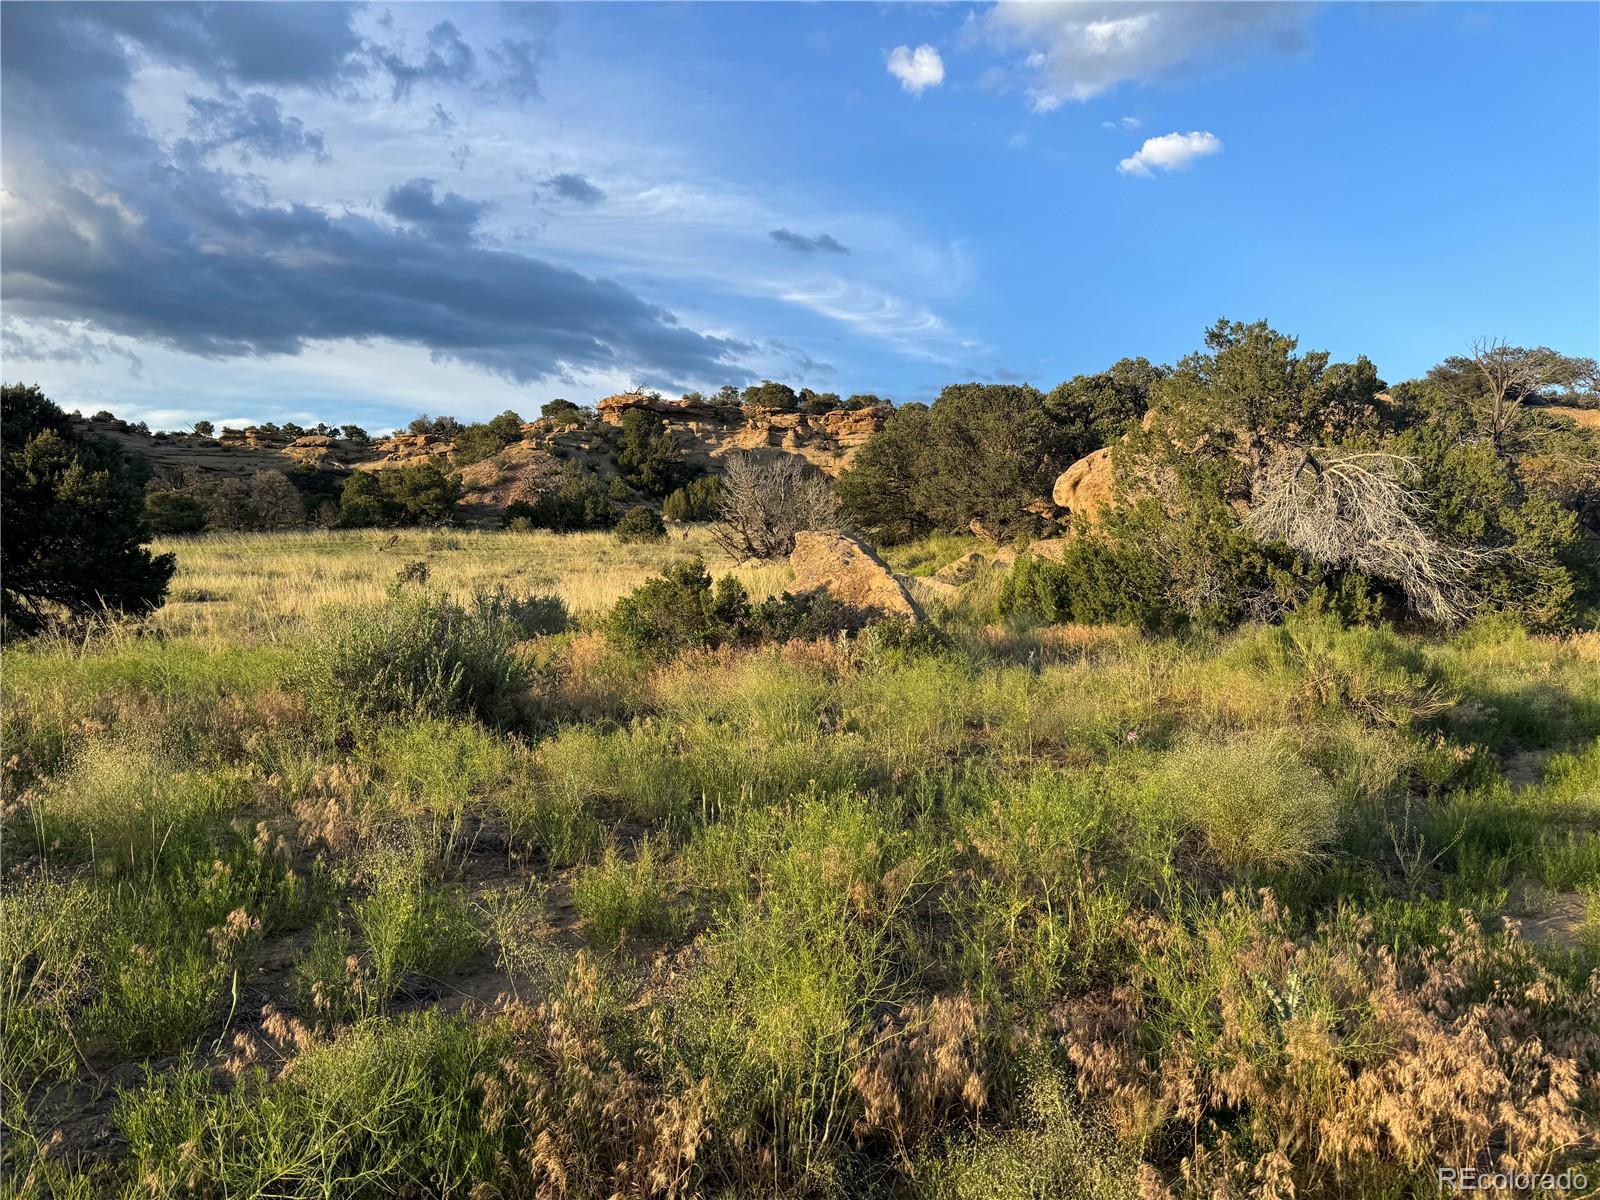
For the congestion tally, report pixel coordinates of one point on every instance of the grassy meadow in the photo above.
(1034, 912)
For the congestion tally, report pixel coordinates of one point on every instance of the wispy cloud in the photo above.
(808, 245)
(1079, 49)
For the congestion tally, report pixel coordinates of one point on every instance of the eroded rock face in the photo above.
(410, 450)
(706, 432)
(851, 572)
(1084, 488)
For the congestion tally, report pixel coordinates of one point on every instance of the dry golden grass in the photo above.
(1583, 418)
(262, 586)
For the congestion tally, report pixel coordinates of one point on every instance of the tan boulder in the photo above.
(851, 572)
(962, 569)
(931, 588)
(1084, 488)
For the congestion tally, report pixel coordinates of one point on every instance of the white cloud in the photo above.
(1170, 152)
(1078, 49)
(916, 69)
(1122, 123)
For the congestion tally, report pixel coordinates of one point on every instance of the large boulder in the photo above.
(1084, 488)
(851, 572)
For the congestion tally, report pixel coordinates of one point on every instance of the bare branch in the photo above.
(1357, 510)
(765, 503)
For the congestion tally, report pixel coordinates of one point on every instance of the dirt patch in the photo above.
(1557, 920)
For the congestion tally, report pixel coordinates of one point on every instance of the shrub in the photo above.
(419, 654)
(683, 610)
(1055, 1152)
(878, 492)
(1257, 805)
(617, 898)
(807, 617)
(172, 512)
(990, 452)
(641, 523)
(398, 496)
(578, 503)
(537, 615)
(647, 453)
(698, 500)
(679, 610)
(73, 512)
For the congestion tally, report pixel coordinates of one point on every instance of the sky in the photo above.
(355, 213)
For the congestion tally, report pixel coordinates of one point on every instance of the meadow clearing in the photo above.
(320, 883)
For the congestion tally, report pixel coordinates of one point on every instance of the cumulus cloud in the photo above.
(569, 186)
(1169, 152)
(808, 245)
(1079, 49)
(917, 69)
(255, 126)
(107, 228)
(449, 216)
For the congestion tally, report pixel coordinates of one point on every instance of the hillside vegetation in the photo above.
(432, 893)
(1195, 793)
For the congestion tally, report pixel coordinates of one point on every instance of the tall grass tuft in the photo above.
(421, 654)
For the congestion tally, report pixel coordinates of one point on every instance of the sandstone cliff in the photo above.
(706, 432)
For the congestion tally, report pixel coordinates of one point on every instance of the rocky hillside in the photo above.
(525, 470)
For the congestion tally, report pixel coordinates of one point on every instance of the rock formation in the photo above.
(1084, 488)
(851, 572)
(409, 450)
(705, 432)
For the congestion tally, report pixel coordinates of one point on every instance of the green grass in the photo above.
(1038, 911)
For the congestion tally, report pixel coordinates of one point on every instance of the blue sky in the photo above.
(327, 212)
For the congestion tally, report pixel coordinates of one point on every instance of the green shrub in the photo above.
(618, 898)
(683, 609)
(641, 523)
(647, 453)
(1252, 798)
(73, 511)
(579, 502)
(398, 496)
(172, 512)
(679, 610)
(419, 654)
(698, 500)
(1054, 1152)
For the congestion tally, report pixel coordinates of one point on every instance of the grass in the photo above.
(289, 909)
(275, 587)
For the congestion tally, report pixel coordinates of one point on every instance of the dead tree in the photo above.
(1357, 510)
(766, 502)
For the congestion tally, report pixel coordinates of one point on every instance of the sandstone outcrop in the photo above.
(1084, 489)
(706, 432)
(851, 572)
(409, 450)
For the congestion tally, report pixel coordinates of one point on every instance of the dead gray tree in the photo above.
(1357, 510)
(1512, 376)
(766, 502)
